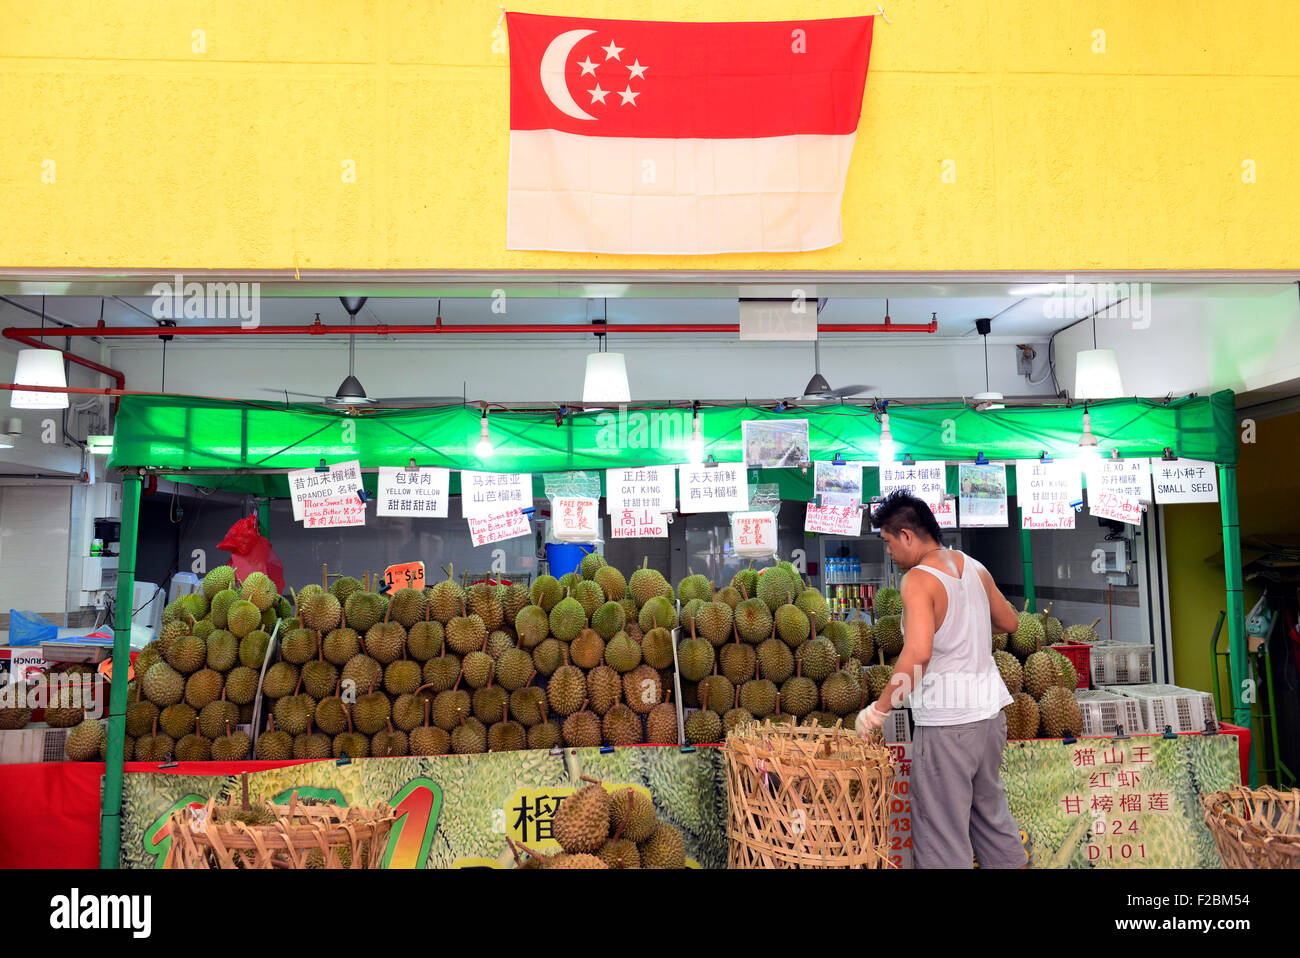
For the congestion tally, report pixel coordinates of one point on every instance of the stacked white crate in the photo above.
(1182, 710)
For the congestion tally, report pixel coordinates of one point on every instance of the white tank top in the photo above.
(962, 683)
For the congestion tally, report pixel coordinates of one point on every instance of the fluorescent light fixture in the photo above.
(484, 448)
(99, 445)
(606, 379)
(1096, 375)
(1036, 289)
(39, 367)
(885, 454)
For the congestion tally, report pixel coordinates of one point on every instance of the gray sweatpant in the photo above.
(959, 807)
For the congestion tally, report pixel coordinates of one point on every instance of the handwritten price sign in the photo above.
(333, 513)
(1121, 508)
(408, 575)
(498, 528)
(833, 520)
(638, 524)
(754, 533)
(576, 518)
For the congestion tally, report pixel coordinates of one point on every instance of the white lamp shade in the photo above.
(1096, 375)
(39, 367)
(606, 379)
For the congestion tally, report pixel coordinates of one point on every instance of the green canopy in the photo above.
(188, 438)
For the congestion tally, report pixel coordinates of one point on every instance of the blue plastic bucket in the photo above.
(563, 557)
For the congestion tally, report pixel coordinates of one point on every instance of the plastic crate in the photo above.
(1122, 663)
(1102, 711)
(35, 743)
(1182, 710)
(1077, 653)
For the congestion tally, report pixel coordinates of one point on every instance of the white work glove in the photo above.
(870, 719)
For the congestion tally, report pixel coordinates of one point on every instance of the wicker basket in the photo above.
(1255, 829)
(807, 797)
(300, 836)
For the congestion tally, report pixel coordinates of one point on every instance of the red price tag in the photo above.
(408, 575)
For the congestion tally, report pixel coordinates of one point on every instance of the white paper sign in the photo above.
(486, 494)
(342, 480)
(720, 488)
(575, 518)
(753, 533)
(983, 494)
(333, 513)
(653, 488)
(1115, 505)
(1123, 477)
(638, 524)
(833, 520)
(422, 493)
(1185, 480)
(926, 480)
(488, 529)
(946, 513)
(1045, 491)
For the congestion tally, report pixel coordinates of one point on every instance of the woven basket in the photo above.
(301, 836)
(1255, 829)
(807, 797)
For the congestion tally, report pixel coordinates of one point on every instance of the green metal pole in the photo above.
(110, 822)
(1027, 564)
(264, 517)
(1237, 655)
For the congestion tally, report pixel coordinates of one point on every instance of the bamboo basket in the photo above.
(807, 797)
(1255, 828)
(300, 836)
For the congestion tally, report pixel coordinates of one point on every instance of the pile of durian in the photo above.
(1040, 679)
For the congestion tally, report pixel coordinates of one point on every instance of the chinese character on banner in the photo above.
(713, 490)
(493, 493)
(404, 492)
(651, 487)
(638, 524)
(339, 482)
(1116, 506)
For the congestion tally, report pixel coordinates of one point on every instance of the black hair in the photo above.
(901, 510)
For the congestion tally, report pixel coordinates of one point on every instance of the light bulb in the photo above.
(886, 448)
(695, 448)
(484, 447)
(1088, 452)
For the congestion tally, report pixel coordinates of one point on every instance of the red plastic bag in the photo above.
(250, 551)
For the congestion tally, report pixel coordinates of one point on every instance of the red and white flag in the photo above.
(630, 136)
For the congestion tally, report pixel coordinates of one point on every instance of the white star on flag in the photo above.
(638, 71)
(587, 67)
(598, 95)
(628, 96)
(612, 52)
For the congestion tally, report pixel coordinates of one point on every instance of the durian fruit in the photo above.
(344, 586)
(619, 853)
(477, 667)
(514, 669)
(999, 641)
(877, 680)
(319, 677)
(694, 586)
(252, 649)
(85, 740)
(203, 628)
(429, 739)
(195, 605)
(608, 620)
(1022, 716)
(746, 582)
(163, 685)
(173, 630)
(220, 579)
(568, 581)
(259, 590)
(350, 743)
(813, 604)
(171, 612)
(657, 649)
(587, 650)
(362, 610)
(231, 747)
(799, 694)
(546, 734)
(753, 621)
(514, 598)
(713, 622)
(731, 596)
(581, 822)
(140, 714)
(703, 727)
(757, 696)
(663, 849)
(567, 618)
(1060, 712)
(330, 714)
(424, 640)
(622, 726)
(864, 642)
(499, 642)
(389, 742)
(281, 679)
(223, 650)
(1009, 668)
(611, 583)
(528, 705)
(488, 702)
(241, 685)
(449, 706)
(589, 596)
(737, 660)
(1082, 634)
(778, 586)
(371, 711)
(657, 613)
(589, 565)
(469, 737)
(604, 686)
(841, 637)
(582, 728)
(215, 716)
(1040, 673)
(888, 633)
(402, 677)
(576, 861)
(194, 746)
(506, 735)
(661, 722)
(775, 660)
(1067, 675)
(819, 658)
(202, 687)
(888, 601)
(545, 592)
(386, 640)
(242, 618)
(736, 715)
(1028, 637)
(695, 658)
(532, 625)
(643, 689)
(188, 653)
(1053, 632)
(362, 671)
(465, 633)
(622, 653)
(716, 692)
(407, 606)
(177, 720)
(154, 747)
(792, 625)
(274, 745)
(442, 671)
(646, 583)
(299, 646)
(150, 655)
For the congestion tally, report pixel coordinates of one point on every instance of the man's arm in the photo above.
(1002, 612)
(918, 643)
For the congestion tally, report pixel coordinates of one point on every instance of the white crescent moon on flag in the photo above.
(557, 90)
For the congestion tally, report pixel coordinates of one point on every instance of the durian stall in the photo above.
(606, 648)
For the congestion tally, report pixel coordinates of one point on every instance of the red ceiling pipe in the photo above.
(383, 329)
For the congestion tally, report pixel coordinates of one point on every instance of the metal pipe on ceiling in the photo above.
(439, 328)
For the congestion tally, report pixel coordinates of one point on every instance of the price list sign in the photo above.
(338, 481)
(488, 529)
(653, 488)
(1044, 491)
(720, 488)
(487, 494)
(421, 493)
(833, 520)
(333, 513)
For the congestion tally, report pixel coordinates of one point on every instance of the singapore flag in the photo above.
(632, 136)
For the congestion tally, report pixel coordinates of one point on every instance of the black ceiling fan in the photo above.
(818, 387)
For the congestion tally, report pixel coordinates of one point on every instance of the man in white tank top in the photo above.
(947, 674)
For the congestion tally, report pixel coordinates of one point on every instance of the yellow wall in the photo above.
(1064, 158)
(1268, 489)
